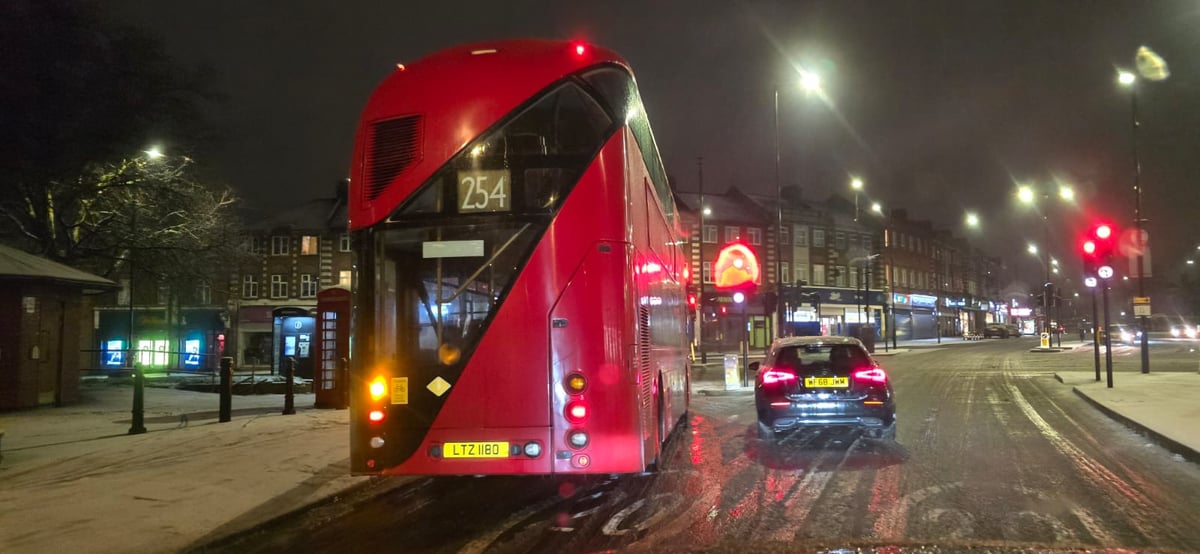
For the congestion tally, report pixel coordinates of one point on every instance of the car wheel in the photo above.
(887, 434)
(765, 432)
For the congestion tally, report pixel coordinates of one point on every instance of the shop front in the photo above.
(191, 339)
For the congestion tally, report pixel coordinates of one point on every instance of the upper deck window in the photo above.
(527, 165)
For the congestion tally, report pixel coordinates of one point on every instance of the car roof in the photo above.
(806, 341)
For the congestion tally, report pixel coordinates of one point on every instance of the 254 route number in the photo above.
(484, 191)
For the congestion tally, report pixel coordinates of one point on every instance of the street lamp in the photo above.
(1027, 195)
(811, 83)
(857, 186)
(1152, 68)
(972, 220)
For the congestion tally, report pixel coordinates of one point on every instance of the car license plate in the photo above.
(475, 450)
(826, 382)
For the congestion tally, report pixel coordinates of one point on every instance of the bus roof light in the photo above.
(580, 49)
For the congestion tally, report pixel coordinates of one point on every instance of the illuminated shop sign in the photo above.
(923, 300)
(114, 353)
(736, 267)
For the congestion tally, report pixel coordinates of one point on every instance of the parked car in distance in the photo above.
(1001, 330)
(810, 382)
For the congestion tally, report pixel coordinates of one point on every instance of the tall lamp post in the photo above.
(1152, 68)
(810, 82)
(1028, 196)
(700, 301)
(888, 270)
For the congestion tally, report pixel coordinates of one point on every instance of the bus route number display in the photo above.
(484, 191)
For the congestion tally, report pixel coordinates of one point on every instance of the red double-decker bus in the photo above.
(519, 304)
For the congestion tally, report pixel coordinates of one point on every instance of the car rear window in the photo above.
(818, 357)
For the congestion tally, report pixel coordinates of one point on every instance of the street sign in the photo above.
(1141, 306)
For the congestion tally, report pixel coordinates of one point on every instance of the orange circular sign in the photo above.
(736, 267)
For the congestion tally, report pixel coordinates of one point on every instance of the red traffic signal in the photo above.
(1097, 248)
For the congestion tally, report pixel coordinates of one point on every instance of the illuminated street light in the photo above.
(857, 186)
(154, 153)
(878, 208)
(972, 219)
(1151, 67)
(707, 211)
(1053, 261)
(1191, 262)
(1066, 193)
(1025, 194)
(810, 81)
(1033, 249)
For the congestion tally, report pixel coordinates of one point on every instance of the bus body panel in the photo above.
(458, 95)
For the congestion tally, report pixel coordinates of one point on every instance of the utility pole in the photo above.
(700, 301)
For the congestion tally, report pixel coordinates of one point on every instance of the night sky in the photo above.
(941, 106)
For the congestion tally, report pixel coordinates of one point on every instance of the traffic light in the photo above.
(1097, 248)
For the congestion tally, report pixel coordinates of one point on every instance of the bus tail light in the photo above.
(577, 439)
(576, 383)
(375, 416)
(378, 388)
(576, 412)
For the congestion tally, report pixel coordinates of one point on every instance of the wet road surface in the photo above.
(991, 451)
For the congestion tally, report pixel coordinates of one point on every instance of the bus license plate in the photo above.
(826, 382)
(475, 450)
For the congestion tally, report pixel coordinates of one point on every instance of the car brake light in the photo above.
(772, 375)
(873, 375)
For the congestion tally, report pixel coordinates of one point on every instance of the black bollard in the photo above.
(289, 399)
(344, 384)
(226, 390)
(139, 385)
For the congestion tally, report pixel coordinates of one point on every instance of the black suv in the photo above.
(1002, 330)
(823, 381)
